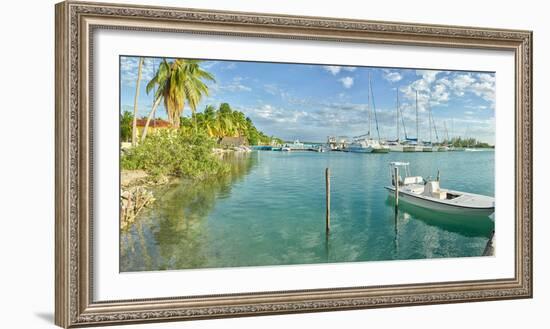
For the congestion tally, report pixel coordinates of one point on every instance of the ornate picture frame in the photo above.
(76, 22)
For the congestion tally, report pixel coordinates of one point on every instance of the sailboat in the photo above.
(365, 143)
(412, 144)
(444, 147)
(429, 147)
(395, 145)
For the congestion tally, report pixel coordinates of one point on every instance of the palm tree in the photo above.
(193, 85)
(160, 79)
(179, 82)
(208, 120)
(134, 123)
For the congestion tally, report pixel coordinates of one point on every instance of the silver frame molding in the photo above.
(75, 24)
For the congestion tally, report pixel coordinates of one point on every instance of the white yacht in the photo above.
(367, 145)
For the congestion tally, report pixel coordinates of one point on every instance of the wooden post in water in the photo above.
(327, 180)
(396, 185)
(438, 175)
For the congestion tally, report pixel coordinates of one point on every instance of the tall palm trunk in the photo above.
(134, 123)
(151, 114)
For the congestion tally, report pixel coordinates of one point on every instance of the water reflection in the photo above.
(270, 211)
(165, 236)
(465, 225)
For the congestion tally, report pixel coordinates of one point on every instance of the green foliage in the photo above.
(468, 142)
(175, 153)
(126, 120)
(179, 82)
(225, 121)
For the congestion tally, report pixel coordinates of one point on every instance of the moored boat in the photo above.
(365, 143)
(428, 194)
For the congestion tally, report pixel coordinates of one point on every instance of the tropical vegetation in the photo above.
(226, 122)
(186, 148)
(174, 152)
(126, 120)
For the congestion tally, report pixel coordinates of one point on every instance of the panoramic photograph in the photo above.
(236, 163)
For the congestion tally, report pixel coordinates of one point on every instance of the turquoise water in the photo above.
(271, 211)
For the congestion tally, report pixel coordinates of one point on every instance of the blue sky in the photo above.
(311, 102)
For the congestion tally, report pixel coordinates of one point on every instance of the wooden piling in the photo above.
(396, 185)
(327, 180)
(438, 175)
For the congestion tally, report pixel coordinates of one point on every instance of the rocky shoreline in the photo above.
(135, 194)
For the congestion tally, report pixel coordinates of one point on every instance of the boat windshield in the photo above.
(403, 171)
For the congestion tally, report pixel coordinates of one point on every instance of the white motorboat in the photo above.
(428, 194)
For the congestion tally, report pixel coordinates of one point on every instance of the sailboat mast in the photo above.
(368, 106)
(417, 131)
(435, 128)
(446, 132)
(397, 113)
(374, 110)
(430, 122)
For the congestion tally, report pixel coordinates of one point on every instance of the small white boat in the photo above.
(428, 194)
(322, 148)
(297, 145)
(286, 149)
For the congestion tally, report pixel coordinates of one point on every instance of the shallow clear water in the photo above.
(271, 211)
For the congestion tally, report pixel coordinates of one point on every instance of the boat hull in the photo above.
(396, 148)
(380, 150)
(432, 204)
(368, 149)
(360, 149)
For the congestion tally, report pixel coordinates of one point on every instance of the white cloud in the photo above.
(434, 91)
(347, 82)
(235, 85)
(428, 75)
(392, 76)
(334, 70)
(485, 87)
(129, 69)
(268, 113)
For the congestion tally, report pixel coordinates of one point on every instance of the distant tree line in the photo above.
(226, 122)
(468, 142)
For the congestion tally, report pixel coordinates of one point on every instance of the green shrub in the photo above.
(126, 120)
(175, 153)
